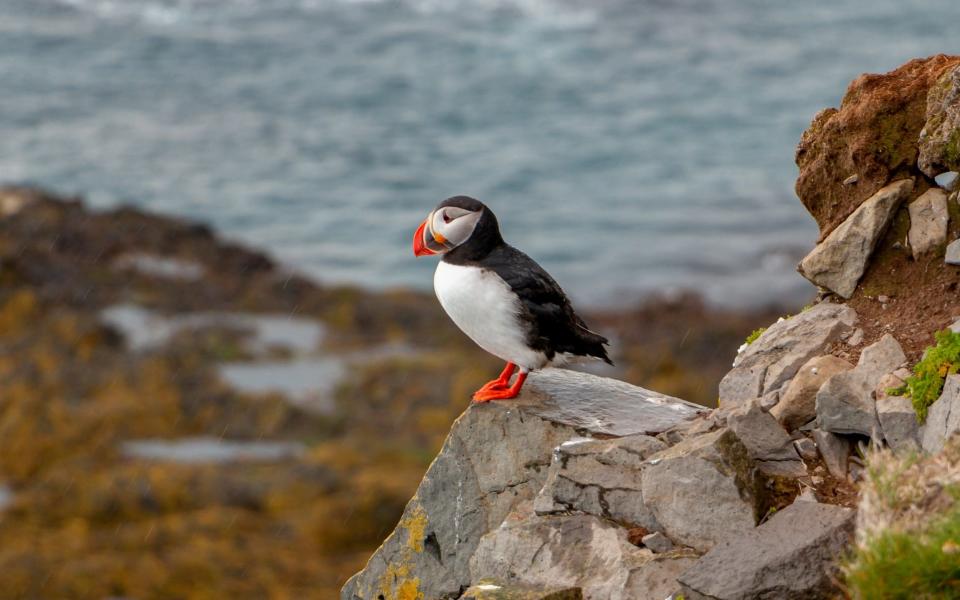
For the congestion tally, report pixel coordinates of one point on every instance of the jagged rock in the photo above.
(928, 221)
(873, 134)
(791, 556)
(952, 256)
(657, 579)
(899, 422)
(835, 451)
(770, 399)
(774, 358)
(762, 435)
(704, 422)
(600, 477)
(492, 590)
(798, 405)
(715, 465)
(806, 448)
(845, 403)
(943, 416)
(495, 458)
(939, 142)
(838, 262)
(657, 542)
(576, 550)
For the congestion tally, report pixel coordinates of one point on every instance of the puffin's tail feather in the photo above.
(594, 344)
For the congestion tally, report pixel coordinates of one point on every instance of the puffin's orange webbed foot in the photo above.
(500, 383)
(496, 391)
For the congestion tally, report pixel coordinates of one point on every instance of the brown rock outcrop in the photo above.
(872, 135)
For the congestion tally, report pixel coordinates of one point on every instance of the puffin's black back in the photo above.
(553, 327)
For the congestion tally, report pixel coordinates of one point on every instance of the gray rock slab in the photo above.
(952, 256)
(495, 590)
(793, 555)
(657, 579)
(943, 416)
(764, 437)
(600, 404)
(496, 458)
(798, 404)
(942, 123)
(600, 477)
(898, 419)
(845, 403)
(928, 222)
(572, 551)
(714, 466)
(838, 262)
(776, 356)
(835, 451)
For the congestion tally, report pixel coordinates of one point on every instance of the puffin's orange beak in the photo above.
(419, 243)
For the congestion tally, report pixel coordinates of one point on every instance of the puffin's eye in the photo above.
(446, 217)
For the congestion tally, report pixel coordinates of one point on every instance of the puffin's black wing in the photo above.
(553, 326)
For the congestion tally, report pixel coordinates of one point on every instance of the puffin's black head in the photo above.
(459, 223)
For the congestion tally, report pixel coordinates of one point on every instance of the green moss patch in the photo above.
(926, 383)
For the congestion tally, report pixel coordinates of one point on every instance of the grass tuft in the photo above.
(754, 335)
(898, 564)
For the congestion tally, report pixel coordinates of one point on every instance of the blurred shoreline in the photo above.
(177, 404)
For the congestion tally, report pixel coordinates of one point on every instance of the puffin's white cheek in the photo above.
(459, 230)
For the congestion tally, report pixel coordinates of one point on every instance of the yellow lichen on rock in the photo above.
(416, 526)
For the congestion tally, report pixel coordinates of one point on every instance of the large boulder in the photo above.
(845, 403)
(798, 404)
(838, 262)
(928, 222)
(600, 477)
(873, 135)
(576, 550)
(940, 137)
(776, 356)
(943, 416)
(715, 466)
(792, 556)
(495, 458)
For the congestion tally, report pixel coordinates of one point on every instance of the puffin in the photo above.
(500, 297)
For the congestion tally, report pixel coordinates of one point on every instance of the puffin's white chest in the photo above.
(483, 307)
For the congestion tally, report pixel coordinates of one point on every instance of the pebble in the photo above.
(657, 542)
(806, 448)
(948, 180)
